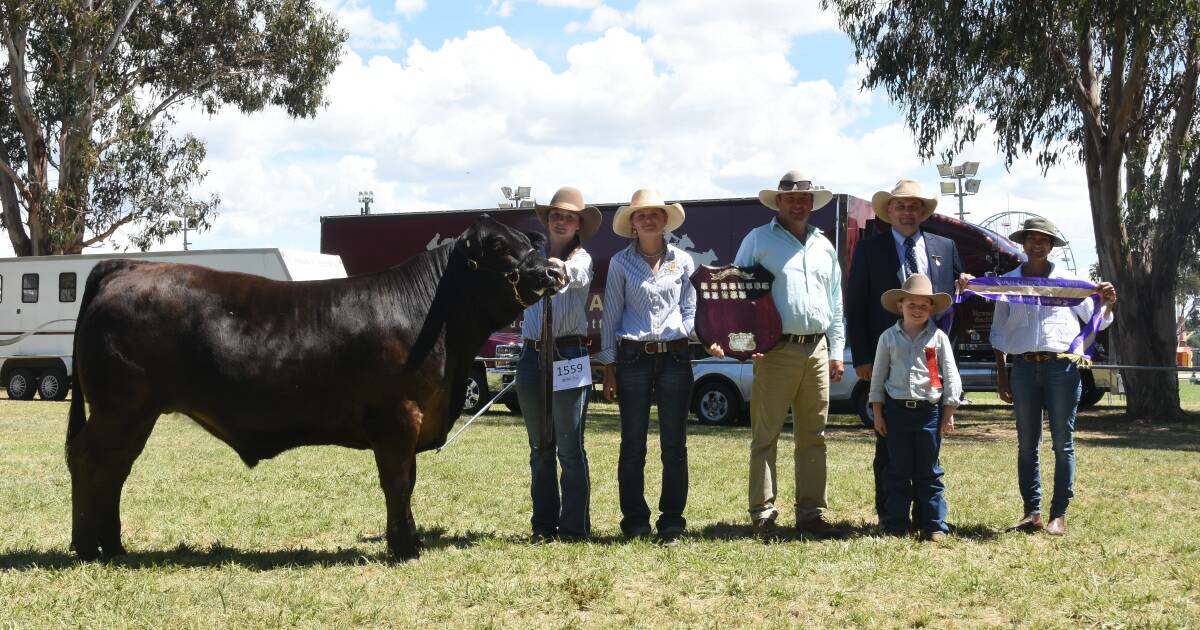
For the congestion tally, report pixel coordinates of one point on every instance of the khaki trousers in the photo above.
(790, 375)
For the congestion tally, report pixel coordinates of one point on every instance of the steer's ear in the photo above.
(537, 239)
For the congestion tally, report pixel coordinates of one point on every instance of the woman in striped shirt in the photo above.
(649, 313)
(562, 515)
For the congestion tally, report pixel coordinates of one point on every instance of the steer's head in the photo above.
(509, 261)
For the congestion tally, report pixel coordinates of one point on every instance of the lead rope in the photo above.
(546, 432)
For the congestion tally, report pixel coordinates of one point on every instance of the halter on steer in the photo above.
(513, 276)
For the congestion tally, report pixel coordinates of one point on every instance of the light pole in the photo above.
(961, 189)
(522, 198)
(183, 220)
(366, 198)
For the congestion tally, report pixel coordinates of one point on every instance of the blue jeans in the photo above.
(569, 515)
(667, 379)
(1053, 386)
(913, 445)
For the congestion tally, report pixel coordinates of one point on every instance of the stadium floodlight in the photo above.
(507, 192)
(527, 203)
(959, 188)
(523, 192)
(506, 204)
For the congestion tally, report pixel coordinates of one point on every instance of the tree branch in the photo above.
(116, 36)
(7, 169)
(112, 229)
(1082, 89)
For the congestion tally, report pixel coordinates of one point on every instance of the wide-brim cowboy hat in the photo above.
(904, 188)
(569, 199)
(917, 285)
(795, 182)
(646, 198)
(1037, 225)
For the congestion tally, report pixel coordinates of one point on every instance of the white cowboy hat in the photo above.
(904, 188)
(795, 182)
(646, 198)
(571, 200)
(917, 285)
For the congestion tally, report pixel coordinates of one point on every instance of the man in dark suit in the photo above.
(883, 262)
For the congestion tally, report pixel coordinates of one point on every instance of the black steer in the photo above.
(377, 361)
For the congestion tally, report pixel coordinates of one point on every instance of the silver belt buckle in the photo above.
(652, 347)
(911, 404)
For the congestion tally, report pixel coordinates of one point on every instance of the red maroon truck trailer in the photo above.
(711, 234)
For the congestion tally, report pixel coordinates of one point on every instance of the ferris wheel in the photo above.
(1005, 223)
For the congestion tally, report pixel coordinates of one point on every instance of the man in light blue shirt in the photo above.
(795, 373)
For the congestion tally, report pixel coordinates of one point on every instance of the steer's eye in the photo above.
(495, 245)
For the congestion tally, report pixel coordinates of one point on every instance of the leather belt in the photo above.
(911, 404)
(656, 347)
(1038, 357)
(813, 338)
(566, 341)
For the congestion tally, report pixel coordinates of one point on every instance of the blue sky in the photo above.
(436, 104)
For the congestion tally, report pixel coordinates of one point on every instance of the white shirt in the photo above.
(918, 251)
(1020, 328)
(569, 304)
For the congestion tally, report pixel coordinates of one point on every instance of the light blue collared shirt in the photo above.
(918, 251)
(808, 280)
(569, 304)
(901, 368)
(642, 305)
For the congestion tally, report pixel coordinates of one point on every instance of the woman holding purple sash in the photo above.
(1042, 342)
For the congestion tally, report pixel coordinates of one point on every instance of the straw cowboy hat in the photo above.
(904, 188)
(571, 200)
(646, 198)
(917, 285)
(795, 181)
(1037, 225)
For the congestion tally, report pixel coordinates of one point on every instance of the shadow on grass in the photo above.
(734, 531)
(185, 555)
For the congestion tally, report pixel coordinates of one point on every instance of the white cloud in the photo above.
(502, 8)
(695, 98)
(409, 8)
(366, 30)
(570, 4)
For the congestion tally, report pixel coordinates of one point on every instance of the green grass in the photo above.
(288, 544)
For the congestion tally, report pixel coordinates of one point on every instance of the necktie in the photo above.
(910, 256)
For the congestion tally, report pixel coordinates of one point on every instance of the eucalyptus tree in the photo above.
(1109, 83)
(90, 89)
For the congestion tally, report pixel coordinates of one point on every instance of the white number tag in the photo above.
(572, 373)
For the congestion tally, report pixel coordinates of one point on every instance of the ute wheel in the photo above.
(477, 392)
(21, 384)
(715, 403)
(858, 398)
(1089, 395)
(53, 385)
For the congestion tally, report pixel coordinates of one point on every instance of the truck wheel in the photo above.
(858, 398)
(53, 385)
(477, 392)
(716, 403)
(21, 384)
(1089, 394)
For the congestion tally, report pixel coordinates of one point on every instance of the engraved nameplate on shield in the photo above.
(734, 308)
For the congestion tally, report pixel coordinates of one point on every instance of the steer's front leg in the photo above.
(396, 468)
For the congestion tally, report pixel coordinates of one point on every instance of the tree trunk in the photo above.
(11, 209)
(1144, 334)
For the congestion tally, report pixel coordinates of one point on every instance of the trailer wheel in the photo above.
(20, 384)
(477, 392)
(858, 399)
(53, 385)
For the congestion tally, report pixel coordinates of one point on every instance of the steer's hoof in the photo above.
(86, 553)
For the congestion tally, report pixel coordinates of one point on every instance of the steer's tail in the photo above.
(77, 416)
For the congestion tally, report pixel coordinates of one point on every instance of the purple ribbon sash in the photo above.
(1060, 292)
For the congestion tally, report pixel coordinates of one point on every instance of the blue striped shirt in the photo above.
(808, 280)
(569, 304)
(642, 305)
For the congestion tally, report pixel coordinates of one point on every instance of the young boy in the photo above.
(915, 389)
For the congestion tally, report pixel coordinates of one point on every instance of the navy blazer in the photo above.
(875, 269)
